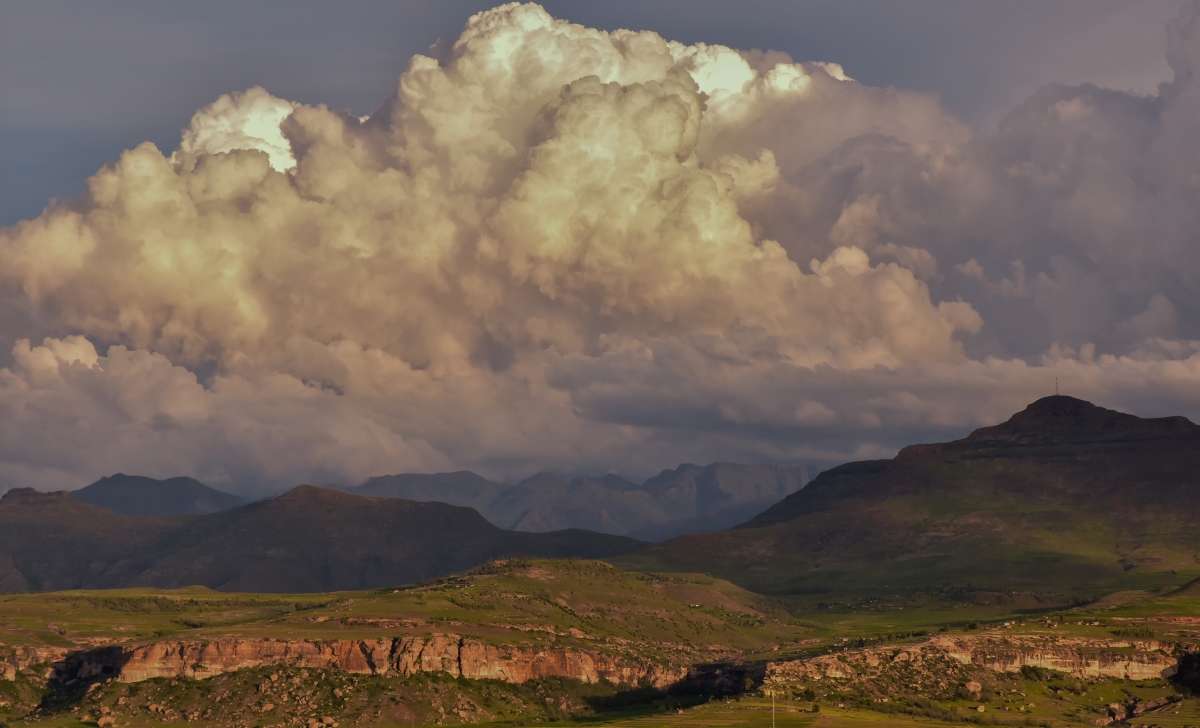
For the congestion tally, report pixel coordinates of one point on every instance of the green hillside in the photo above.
(680, 620)
(1065, 501)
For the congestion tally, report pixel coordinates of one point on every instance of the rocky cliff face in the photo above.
(448, 653)
(941, 665)
(19, 660)
(1080, 658)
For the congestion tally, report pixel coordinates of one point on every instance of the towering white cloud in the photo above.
(565, 248)
(241, 120)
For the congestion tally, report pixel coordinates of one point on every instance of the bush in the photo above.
(1136, 632)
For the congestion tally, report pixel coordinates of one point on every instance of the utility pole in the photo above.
(772, 709)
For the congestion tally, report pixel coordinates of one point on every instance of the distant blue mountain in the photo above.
(690, 498)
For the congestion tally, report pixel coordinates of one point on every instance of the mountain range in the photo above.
(306, 540)
(689, 499)
(1065, 500)
(1064, 497)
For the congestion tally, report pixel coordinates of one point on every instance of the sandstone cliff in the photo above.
(14, 661)
(940, 666)
(448, 653)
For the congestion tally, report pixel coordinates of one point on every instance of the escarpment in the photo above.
(939, 666)
(445, 653)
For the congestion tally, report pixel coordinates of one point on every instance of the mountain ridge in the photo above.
(688, 498)
(1063, 496)
(137, 495)
(308, 539)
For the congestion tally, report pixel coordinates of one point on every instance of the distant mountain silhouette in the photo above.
(136, 495)
(307, 540)
(687, 499)
(1064, 497)
(460, 488)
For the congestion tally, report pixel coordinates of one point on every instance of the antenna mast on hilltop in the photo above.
(1056, 386)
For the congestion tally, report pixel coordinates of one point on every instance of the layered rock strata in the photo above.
(448, 653)
(1081, 658)
(15, 661)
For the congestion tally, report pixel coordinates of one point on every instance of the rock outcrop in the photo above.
(1080, 658)
(941, 665)
(448, 653)
(14, 661)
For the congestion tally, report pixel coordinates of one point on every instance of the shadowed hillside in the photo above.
(307, 540)
(135, 495)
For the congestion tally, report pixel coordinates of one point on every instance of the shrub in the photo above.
(1137, 632)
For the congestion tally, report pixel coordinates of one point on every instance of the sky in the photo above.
(294, 242)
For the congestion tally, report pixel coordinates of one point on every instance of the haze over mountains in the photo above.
(690, 498)
(1064, 497)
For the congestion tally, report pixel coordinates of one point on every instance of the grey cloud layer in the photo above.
(562, 248)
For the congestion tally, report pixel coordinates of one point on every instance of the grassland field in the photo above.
(677, 618)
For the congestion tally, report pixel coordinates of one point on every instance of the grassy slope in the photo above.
(662, 614)
(1065, 499)
(673, 615)
(658, 615)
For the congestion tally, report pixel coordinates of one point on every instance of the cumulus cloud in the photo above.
(562, 248)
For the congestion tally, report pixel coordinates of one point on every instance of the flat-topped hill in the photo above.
(1063, 497)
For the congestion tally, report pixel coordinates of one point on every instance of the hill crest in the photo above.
(137, 495)
(309, 539)
(1063, 496)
